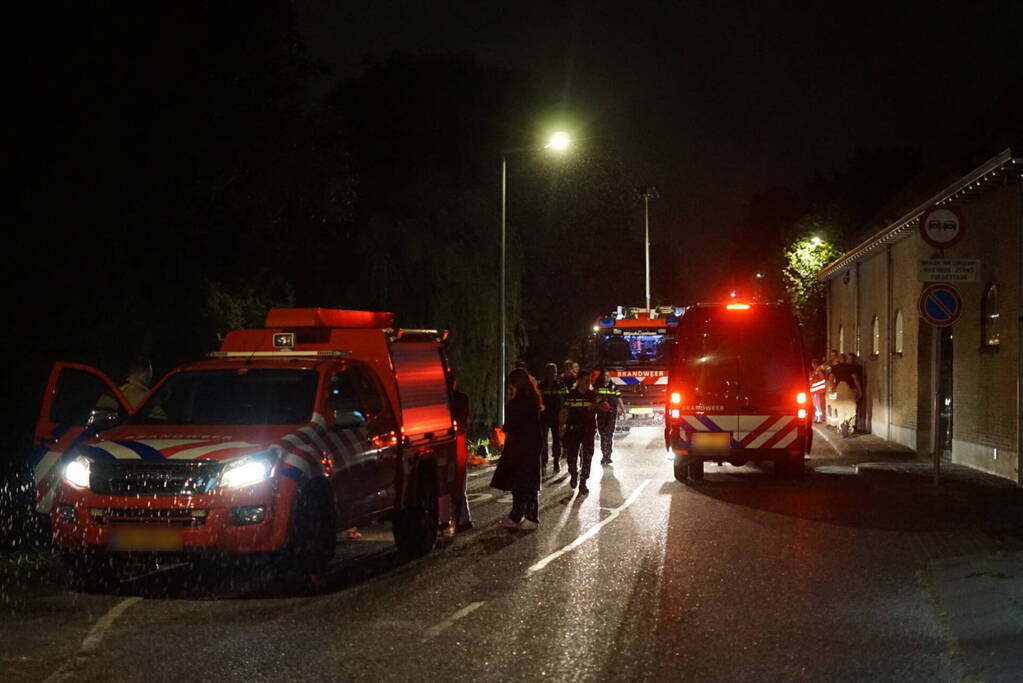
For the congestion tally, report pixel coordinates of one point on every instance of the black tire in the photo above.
(91, 571)
(311, 542)
(681, 471)
(696, 470)
(415, 527)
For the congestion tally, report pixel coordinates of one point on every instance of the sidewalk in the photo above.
(978, 598)
(872, 456)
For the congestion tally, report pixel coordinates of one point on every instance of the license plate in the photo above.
(712, 441)
(152, 537)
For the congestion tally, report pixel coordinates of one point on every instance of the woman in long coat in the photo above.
(518, 470)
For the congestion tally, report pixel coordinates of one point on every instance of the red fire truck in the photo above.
(324, 420)
(738, 389)
(635, 346)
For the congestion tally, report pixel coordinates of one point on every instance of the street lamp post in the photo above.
(647, 193)
(558, 142)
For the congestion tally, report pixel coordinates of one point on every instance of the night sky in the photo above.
(713, 101)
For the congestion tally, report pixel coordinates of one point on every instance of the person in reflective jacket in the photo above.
(609, 405)
(577, 424)
(553, 391)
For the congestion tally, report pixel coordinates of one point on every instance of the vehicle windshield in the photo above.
(634, 348)
(233, 397)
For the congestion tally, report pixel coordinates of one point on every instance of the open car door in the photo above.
(77, 401)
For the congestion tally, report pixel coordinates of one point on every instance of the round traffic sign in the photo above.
(940, 305)
(941, 227)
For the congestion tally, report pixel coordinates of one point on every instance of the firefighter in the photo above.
(553, 391)
(135, 387)
(577, 425)
(569, 371)
(609, 406)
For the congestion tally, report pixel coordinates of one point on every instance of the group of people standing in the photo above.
(569, 409)
(846, 391)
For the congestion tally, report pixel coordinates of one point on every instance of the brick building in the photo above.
(953, 389)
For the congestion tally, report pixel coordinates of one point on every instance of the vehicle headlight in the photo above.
(246, 471)
(77, 472)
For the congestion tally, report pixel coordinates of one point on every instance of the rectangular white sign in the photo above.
(949, 270)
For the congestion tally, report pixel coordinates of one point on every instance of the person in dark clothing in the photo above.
(460, 414)
(609, 405)
(518, 470)
(845, 392)
(578, 427)
(553, 392)
(569, 371)
(861, 397)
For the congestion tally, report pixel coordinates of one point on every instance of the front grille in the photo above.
(185, 517)
(151, 478)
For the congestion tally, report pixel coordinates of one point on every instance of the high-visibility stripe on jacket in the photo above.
(577, 403)
(581, 409)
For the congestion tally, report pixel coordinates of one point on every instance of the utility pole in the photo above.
(647, 193)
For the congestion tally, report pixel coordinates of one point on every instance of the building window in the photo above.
(875, 338)
(897, 348)
(989, 336)
(841, 339)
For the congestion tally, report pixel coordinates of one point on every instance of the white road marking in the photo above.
(92, 640)
(591, 532)
(437, 629)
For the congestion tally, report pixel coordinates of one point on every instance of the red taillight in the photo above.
(676, 397)
(801, 397)
(802, 413)
(675, 413)
(737, 307)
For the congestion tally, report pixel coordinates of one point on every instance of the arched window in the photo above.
(897, 347)
(989, 334)
(875, 338)
(841, 339)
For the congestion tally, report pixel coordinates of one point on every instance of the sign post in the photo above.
(949, 270)
(940, 306)
(942, 227)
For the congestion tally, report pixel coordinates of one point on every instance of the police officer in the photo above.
(609, 405)
(553, 391)
(577, 424)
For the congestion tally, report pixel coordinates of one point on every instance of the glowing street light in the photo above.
(559, 142)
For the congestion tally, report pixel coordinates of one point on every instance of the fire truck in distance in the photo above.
(635, 345)
(324, 420)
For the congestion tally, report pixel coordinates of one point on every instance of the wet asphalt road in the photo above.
(744, 577)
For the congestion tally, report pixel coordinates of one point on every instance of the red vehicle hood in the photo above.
(135, 442)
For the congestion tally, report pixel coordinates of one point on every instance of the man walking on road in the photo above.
(577, 424)
(609, 404)
(553, 392)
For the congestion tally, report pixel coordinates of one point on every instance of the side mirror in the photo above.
(346, 419)
(103, 418)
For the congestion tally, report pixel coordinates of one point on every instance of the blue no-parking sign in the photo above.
(940, 305)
